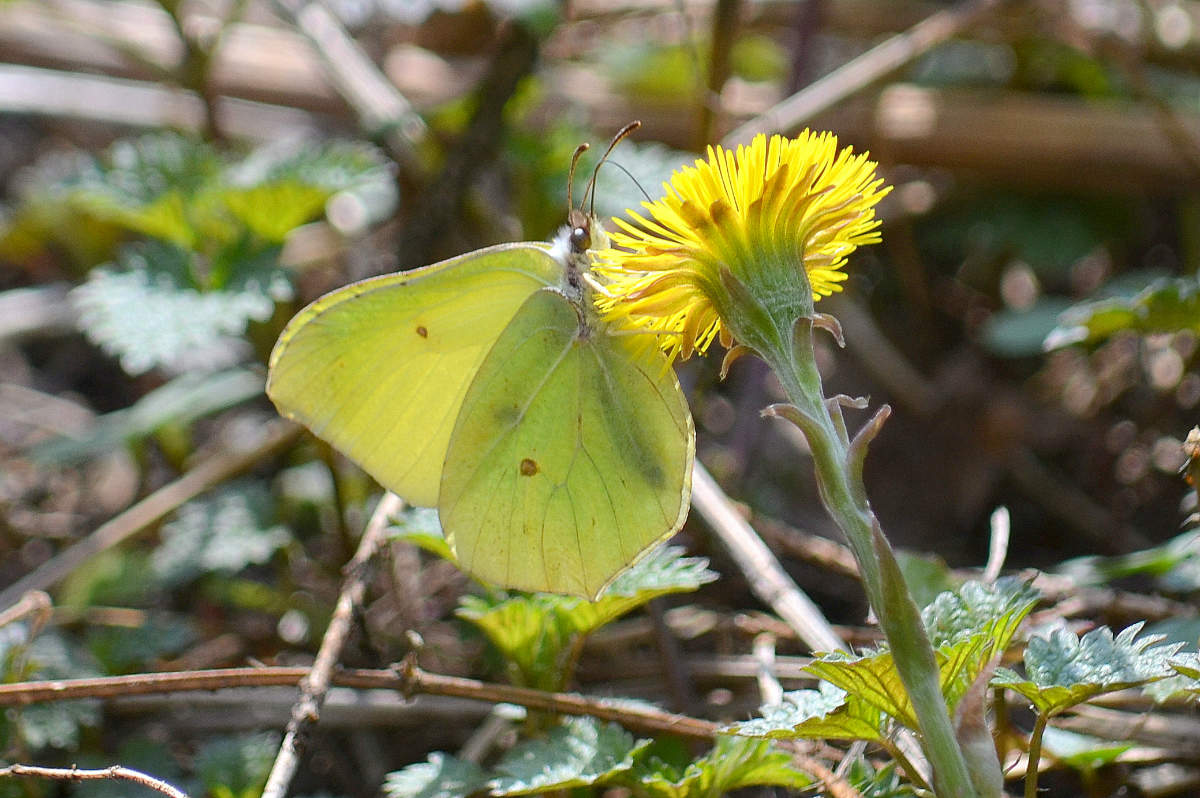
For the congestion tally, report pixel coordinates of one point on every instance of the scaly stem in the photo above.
(837, 464)
(1035, 754)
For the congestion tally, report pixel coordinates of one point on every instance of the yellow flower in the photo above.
(777, 219)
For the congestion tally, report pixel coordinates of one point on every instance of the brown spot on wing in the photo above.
(528, 467)
(421, 331)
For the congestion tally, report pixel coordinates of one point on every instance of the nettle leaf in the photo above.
(536, 632)
(146, 185)
(579, 753)
(733, 763)
(825, 713)
(873, 677)
(280, 187)
(147, 311)
(1163, 306)
(180, 401)
(993, 609)
(237, 767)
(1063, 670)
(47, 656)
(441, 776)
(223, 533)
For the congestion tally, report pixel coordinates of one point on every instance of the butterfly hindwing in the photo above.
(379, 368)
(571, 456)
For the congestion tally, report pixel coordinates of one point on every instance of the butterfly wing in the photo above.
(572, 455)
(379, 368)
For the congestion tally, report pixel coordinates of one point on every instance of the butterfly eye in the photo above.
(581, 239)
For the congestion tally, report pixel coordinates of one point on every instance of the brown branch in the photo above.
(413, 680)
(208, 474)
(115, 772)
(315, 685)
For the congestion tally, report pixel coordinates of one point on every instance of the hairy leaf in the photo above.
(995, 610)
(222, 533)
(732, 764)
(578, 753)
(441, 776)
(1063, 670)
(148, 311)
(825, 713)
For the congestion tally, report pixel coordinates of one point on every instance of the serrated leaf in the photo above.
(180, 401)
(733, 763)
(441, 776)
(147, 312)
(537, 632)
(825, 713)
(873, 677)
(994, 609)
(237, 767)
(579, 753)
(223, 533)
(1063, 670)
(1163, 306)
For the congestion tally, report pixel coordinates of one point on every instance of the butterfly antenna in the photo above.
(580, 150)
(629, 174)
(591, 186)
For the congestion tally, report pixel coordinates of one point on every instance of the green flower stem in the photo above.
(837, 461)
(1034, 759)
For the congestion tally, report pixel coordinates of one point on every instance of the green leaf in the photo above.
(441, 776)
(237, 767)
(1175, 565)
(1063, 670)
(1079, 751)
(825, 713)
(536, 632)
(926, 575)
(733, 763)
(992, 609)
(180, 401)
(148, 312)
(1164, 306)
(125, 649)
(882, 783)
(223, 533)
(579, 753)
(420, 526)
(47, 656)
(1023, 333)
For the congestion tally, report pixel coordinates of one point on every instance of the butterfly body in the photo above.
(488, 386)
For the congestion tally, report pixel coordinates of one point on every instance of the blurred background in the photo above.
(178, 178)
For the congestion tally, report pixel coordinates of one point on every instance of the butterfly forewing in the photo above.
(571, 456)
(379, 368)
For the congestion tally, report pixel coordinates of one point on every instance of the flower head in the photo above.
(759, 234)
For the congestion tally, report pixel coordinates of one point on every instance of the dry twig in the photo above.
(115, 772)
(307, 710)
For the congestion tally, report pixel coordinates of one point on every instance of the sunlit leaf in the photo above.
(1063, 670)
(1080, 751)
(825, 713)
(1175, 564)
(441, 776)
(148, 311)
(579, 753)
(994, 609)
(732, 764)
